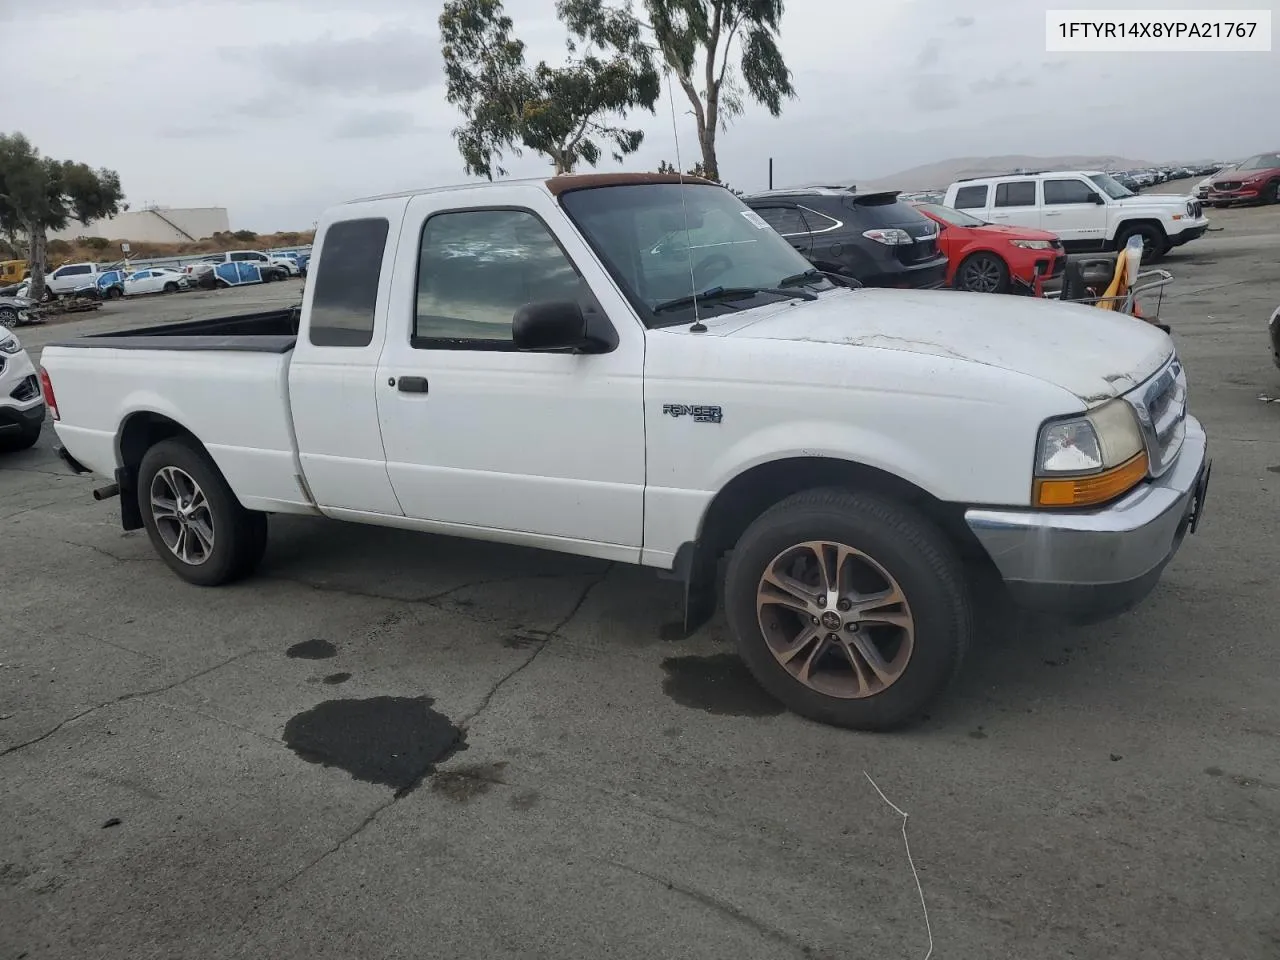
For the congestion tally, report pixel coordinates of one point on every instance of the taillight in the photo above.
(46, 387)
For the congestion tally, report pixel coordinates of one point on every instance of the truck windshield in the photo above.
(639, 231)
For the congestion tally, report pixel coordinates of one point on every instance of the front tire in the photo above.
(983, 273)
(171, 287)
(193, 519)
(8, 317)
(1154, 244)
(849, 608)
(1271, 193)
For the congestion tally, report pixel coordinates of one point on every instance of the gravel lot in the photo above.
(1090, 793)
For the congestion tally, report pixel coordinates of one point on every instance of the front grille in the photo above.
(3, 363)
(1229, 185)
(1161, 405)
(28, 389)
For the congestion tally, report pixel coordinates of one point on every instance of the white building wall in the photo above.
(153, 225)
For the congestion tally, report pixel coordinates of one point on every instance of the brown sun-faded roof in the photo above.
(566, 182)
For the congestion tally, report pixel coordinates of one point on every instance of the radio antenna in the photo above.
(698, 325)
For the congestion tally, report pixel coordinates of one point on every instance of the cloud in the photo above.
(931, 92)
(196, 131)
(391, 60)
(930, 53)
(264, 107)
(1001, 81)
(373, 124)
(963, 22)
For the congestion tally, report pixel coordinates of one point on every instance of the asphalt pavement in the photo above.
(397, 745)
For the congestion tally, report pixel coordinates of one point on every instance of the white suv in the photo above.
(21, 402)
(1087, 209)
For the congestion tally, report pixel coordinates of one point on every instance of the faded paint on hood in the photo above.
(1095, 354)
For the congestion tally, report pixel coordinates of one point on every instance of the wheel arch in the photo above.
(1127, 226)
(750, 493)
(138, 433)
(977, 250)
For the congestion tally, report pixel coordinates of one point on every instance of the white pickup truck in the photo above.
(515, 362)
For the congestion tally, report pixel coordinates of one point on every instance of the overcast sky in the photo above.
(278, 108)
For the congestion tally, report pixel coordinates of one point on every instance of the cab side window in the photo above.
(476, 268)
(346, 290)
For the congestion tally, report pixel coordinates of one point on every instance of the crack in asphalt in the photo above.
(722, 907)
(462, 725)
(123, 698)
(550, 635)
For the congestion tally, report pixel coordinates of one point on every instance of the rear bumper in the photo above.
(1096, 563)
(917, 276)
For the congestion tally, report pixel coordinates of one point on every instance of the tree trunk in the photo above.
(707, 140)
(37, 251)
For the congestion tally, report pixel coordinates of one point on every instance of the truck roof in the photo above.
(561, 183)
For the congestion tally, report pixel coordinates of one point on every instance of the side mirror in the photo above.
(1097, 198)
(551, 325)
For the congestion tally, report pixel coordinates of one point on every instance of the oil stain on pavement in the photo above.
(719, 684)
(393, 741)
(311, 650)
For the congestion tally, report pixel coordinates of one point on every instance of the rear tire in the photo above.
(1154, 243)
(876, 548)
(8, 317)
(983, 273)
(193, 519)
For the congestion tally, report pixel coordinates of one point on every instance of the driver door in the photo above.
(544, 448)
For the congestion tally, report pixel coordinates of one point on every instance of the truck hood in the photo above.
(1095, 354)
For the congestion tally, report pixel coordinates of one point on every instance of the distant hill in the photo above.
(937, 176)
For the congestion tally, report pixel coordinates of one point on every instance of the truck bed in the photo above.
(272, 331)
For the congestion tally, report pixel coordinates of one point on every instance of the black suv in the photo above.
(874, 238)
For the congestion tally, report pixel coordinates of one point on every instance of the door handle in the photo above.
(412, 384)
(1053, 214)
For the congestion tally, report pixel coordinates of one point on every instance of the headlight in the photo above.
(891, 236)
(1087, 460)
(1032, 244)
(10, 344)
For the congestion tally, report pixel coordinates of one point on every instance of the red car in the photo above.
(1256, 180)
(986, 257)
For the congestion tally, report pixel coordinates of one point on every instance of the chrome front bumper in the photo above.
(1095, 563)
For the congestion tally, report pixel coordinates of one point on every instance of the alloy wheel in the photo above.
(182, 515)
(982, 275)
(835, 619)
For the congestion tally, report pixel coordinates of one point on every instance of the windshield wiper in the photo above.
(722, 294)
(812, 275)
